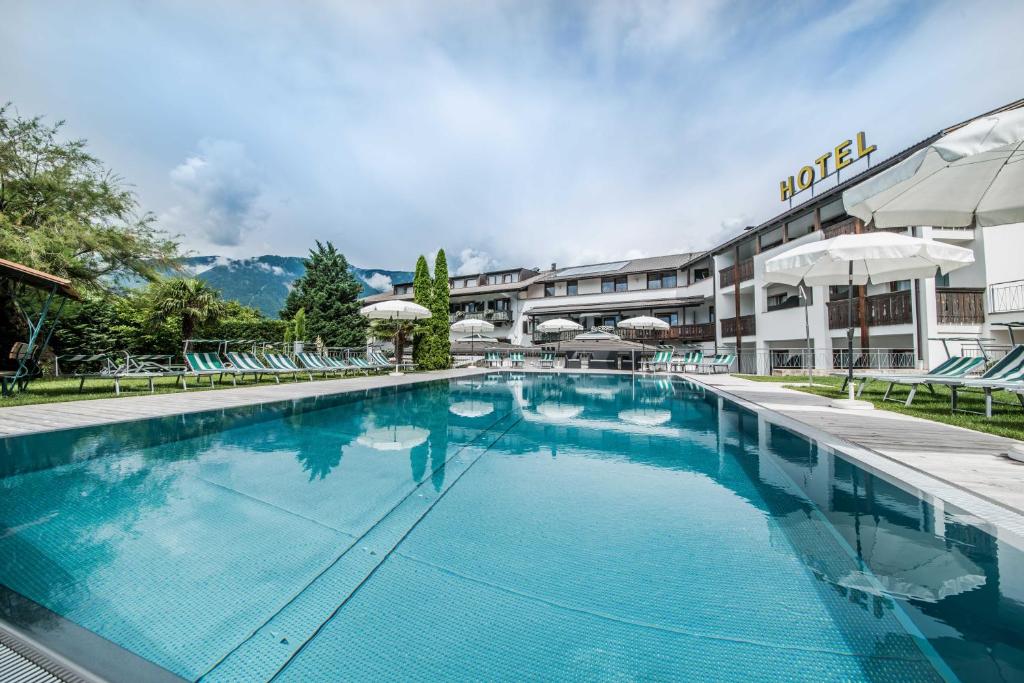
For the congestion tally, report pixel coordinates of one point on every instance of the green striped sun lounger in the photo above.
(280, 361)
(1006, 374)
(492, 359)
(516, 359)
(720, 362)
(101, 366)
(207, 364)
(249, 363)
(315, 363)
(361, 363)
(690, 358)
(547, 360)
(339, 363)
(955, 367)
(661, 358)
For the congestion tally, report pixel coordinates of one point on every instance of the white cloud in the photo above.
(379, 281)
(472, 262)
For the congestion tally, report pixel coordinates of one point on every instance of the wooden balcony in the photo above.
(727, 275)
(694, 332)
(848, 227)
(882, 309)
(746, 323)
(490, 316)
(961, 306)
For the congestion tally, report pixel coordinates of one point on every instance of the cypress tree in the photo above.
(329, 294)
(423, 294)
(442, 353)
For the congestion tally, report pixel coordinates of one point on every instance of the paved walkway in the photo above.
(44, 417)
(966, 459)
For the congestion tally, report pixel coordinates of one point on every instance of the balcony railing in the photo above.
(848, 227)
(491, 316)
(1006, 297)
(727, 276)
(694, 332)
(882, 309)
(746, 323)
(960, 306)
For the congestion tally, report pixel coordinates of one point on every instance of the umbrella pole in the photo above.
(849, 333)
(807, 333)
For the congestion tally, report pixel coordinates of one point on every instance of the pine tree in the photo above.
(423, 294)
(329, 293)
(442, 353)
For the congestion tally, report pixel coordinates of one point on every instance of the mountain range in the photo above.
(263, 282)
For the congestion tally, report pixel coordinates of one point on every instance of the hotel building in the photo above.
(720, 299)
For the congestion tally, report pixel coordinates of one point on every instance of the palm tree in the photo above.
(194, 301)
(398, 330)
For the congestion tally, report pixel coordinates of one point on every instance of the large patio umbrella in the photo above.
(857, 259)
(472, 327)
(973, 176)
(395, 309)
(559, 325)
(643, 322)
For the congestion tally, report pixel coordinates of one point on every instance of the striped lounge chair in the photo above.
(1006, 374)
(492, 359)
(721, 362)
(207, 364)
(955, 367)
(280, 361)
(249, 363)
(516, 359)
(547, 360)
(100, 366)
(662, 358)
(690, 358)
(314, 362)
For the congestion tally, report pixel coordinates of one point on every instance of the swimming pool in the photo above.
(501, 527)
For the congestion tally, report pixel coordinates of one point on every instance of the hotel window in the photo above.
(572, 288)
(459, 284)
(502, 305)
(772, 238)
(549, 289)
(510, 277)
(942, 281)
(798, 227)
(671, 318)
(701, 274)
(832, 211)
(900, 286)
(610, 321)
(614, 284)
(661, 280)
(493, 279)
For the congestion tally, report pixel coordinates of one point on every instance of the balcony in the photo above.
(848, 227)
(1006, 297)
(746, 323)
(882, 309)
(497, 317)
(727, 275)
(960, 306)
(693, 332)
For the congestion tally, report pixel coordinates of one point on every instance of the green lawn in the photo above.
(53, 390)
(1007, 419)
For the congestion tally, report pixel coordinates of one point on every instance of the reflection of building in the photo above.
(720, 299)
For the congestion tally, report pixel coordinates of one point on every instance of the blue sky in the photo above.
(510, 133)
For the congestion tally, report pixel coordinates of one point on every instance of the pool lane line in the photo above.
(383, 559)
(426, 478)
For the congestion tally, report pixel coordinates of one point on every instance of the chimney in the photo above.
(554, 266)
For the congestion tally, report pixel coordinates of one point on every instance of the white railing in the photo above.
(1006, 297)
(767, 361)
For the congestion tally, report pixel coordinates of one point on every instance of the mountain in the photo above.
(263, 282)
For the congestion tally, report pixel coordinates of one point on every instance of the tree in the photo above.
(299, 325)
(399, 331)
(62, 212)
(329, 294)
(423, 294)
(441, 346)
(193, 301)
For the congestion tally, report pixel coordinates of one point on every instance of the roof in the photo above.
(624, 267)
(463, 291)
(569, 307)
(37, 278)
(502, 271)
(830, 194)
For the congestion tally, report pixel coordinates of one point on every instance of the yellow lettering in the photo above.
(862, 148)
(805, 178)
(843, 154)
(786, 188)
(822, 163)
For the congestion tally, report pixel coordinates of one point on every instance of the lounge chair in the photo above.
(389, 363)
(492, 359)
(280, 361)
(207, 364)
(516, 359)
(364, 364)
(1006, 374)
(721, 362)
(100, 366)
(955, 367)
(687, 359)
(316, 363)
(547, 360)
(661, 358)
(248, 362)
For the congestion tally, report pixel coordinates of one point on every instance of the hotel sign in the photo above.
(829, 163)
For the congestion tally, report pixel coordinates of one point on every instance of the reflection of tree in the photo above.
(322, 457)
(418, 461)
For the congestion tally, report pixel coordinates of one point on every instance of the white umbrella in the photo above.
(558, 412)
(973, 176)
(559, 325)
(396, 438)
(473, 328)
(643, 322)
(471, 408)
(395, 309)
(646, 417)
(856, 259)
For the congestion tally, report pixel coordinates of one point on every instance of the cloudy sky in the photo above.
(510, 133)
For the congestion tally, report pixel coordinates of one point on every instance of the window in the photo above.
(838, 292)
(526, 327)
(711, 314)
(942, 280)
(798, 227)
(502, 305)
(771, 238)
(572, 288)
(671, 318)
(549, 289)
(701, 274)
(899, 286)
(510, 277)
(661, 280)
(614, 284)
(610, 321)
(458, 284)
(833, 210)
(493, 279)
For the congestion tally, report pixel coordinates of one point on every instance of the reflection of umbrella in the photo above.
(471, 408)
(472, 327)
(646, 417)
(558, 411)
(853, 260)
(606, 393)
(396, 438)
(395, 310)
(906, 563)
(973, 176)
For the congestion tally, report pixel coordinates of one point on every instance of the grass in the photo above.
(1007, 420)
(56, 390)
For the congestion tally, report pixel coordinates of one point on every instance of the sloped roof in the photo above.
(462, 291)
(624, 267)
(36, 278)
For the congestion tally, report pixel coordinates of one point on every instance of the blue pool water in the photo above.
(535, 527)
